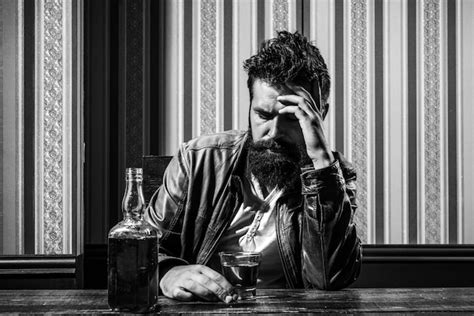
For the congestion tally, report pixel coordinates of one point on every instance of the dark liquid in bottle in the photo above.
(241, 274)
(133, 277)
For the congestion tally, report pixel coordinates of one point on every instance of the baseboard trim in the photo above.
(416, 266)
(382, 266)
(40, 271)
(418, 253)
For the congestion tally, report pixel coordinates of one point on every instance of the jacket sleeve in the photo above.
(331, 251)
(165, 212)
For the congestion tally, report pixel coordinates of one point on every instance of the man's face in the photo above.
(277, 149)
(265, 121)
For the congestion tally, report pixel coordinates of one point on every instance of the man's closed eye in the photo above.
(265, 115)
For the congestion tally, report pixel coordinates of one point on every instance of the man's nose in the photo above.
(277, 128)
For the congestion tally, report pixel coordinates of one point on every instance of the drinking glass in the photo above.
(241, 270)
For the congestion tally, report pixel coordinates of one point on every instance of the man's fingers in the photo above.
(293, 109)
(182, 295)
(299, 90)
(301, 102)
(217, 277)
(212, 287)
(196, 288)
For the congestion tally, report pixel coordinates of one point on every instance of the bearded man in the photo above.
(276, 189)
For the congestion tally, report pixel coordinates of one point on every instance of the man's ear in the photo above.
(324, 110)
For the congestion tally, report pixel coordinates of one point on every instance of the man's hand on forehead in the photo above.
(303, 106)
(297, 89)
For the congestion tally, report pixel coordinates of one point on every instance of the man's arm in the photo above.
(178, 279)
(330, 246)
(331, 253)
(165, 211)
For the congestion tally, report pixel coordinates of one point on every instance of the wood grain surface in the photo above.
(427, 300)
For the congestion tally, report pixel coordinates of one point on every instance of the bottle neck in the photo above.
(133, 202)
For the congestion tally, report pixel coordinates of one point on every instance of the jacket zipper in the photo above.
(283, 261)
(222, 230)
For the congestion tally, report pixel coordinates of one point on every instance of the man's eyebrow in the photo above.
(259, 108)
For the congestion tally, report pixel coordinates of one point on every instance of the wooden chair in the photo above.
(153, 170)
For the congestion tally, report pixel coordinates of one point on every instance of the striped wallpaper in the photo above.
(403, 77)
(40, 127)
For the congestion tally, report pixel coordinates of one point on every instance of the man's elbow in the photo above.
(336, 279)
(347, 276)
(341, 283)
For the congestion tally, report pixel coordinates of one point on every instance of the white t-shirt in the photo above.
(253, 229)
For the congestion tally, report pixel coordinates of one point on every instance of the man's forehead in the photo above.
(266, 89)
(265, 96)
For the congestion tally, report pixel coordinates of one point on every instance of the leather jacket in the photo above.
(316, 235)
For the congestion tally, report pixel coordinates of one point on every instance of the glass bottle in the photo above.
(133, 254)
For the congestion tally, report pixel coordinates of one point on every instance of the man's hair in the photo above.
(288, 57)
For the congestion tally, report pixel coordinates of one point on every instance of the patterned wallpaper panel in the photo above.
(393, 113)
(401, 104)
(39, 212)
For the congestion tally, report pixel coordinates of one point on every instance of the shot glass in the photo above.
(241, 270)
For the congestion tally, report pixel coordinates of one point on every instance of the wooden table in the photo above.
(433, 300)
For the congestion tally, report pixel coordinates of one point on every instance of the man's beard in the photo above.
(276, 163)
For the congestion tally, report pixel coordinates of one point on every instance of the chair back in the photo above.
(153, 170)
